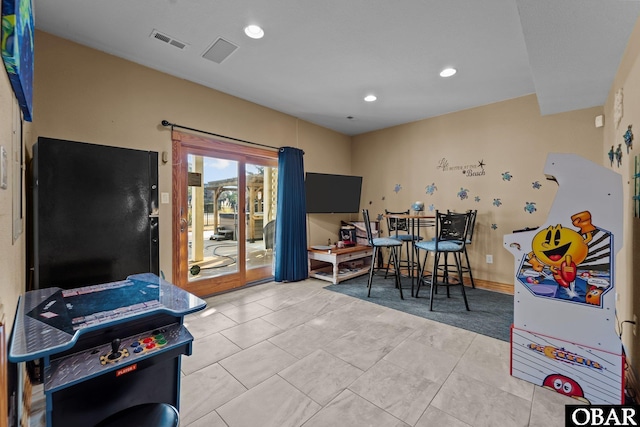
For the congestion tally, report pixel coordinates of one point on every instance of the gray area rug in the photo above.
(491, 313)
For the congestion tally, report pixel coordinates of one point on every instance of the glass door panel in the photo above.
(212, 195)
(260, 212)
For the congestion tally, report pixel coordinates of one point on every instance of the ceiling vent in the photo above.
(220, 50)
(168, 39)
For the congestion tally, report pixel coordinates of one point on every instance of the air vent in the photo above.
(168, 39)
(219, 50)
(177, 44)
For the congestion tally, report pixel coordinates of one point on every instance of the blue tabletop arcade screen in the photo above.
(72, 309)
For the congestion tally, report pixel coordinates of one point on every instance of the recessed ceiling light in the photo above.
(370, 98)
(254, 31)
(448, 72)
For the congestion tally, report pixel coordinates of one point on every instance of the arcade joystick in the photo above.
(115, 349)
(115, 355)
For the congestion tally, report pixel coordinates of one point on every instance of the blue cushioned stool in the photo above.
(382, 242)
(451, 233)
(144, 415)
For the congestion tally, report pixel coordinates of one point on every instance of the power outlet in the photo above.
(489, 259)
(635, 325)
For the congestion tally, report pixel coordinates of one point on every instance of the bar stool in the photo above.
(144, 415)
(451, 231)
(399, 230)
(377, 243)
(466, 265)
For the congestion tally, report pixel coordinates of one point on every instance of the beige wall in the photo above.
(12, 253)
(509, 136)
(83, 94)
(628, 260)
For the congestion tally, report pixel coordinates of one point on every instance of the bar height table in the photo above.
(415, 223)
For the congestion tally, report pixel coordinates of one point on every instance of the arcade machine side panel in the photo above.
(588, 375)
(95, 213)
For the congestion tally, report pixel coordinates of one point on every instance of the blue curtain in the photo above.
(291, 222)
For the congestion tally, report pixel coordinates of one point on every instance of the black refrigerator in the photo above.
(95, 213)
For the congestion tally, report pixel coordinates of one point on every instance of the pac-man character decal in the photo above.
(569, 263)
(565, 385)
(565, 356)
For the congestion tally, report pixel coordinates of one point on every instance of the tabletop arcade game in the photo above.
(105, 347)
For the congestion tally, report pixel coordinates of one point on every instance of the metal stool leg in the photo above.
(434, 278)
(468, 268)
(421, 267)
(458, 259)
(389, 261)
(398, 282)
(373, 267)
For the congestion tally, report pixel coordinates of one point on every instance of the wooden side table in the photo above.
(325, 264)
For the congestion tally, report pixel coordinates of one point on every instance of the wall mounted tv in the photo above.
(328, 193)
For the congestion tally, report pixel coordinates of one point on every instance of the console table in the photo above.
(325, 264)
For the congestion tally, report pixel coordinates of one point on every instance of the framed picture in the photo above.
(17, 173)
(17, 50)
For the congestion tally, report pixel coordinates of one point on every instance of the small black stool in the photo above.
(144, 415)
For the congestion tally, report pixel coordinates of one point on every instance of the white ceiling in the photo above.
(319, 58)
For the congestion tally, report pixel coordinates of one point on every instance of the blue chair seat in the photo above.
(447, 246)
(386, 241)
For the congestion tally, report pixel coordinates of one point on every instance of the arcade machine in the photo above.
(564, 335)
(106, 347)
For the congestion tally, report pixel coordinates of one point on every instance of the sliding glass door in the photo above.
(224, 214)
(260, 218)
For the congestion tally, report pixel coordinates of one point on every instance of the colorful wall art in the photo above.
(17, 50)
(477, 173)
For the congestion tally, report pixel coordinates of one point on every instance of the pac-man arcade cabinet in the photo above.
(564, 335)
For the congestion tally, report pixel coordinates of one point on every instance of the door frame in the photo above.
(182, 145)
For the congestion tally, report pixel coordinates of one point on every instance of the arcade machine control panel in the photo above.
(118, 354)
(105, 347)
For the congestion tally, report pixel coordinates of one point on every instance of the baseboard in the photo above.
(480, 284)
(491, 286)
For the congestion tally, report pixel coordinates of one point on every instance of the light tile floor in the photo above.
(295, 354)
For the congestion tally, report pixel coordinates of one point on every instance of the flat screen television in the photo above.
(328, 193)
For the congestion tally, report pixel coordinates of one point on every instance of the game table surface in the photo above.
(51, 320)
